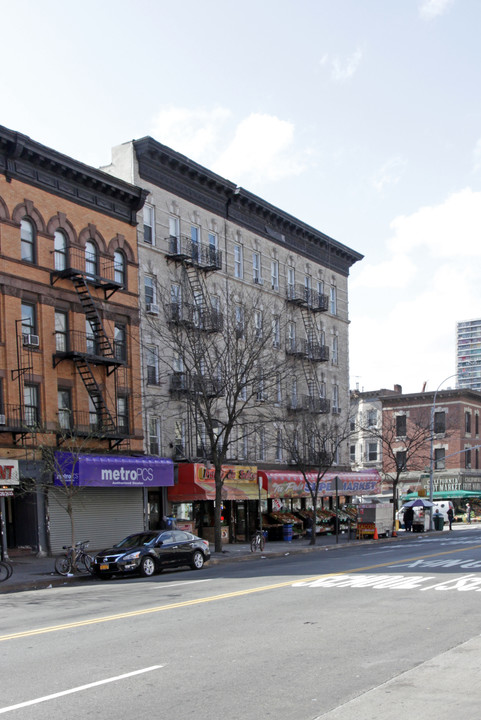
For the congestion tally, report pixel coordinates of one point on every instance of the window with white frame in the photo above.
(152, 365)
(258, 324)
(307, 288)
(256, 268)
(291, 336)
(352, 454)
(27, 240)
(335, 398)
(275, 274)
(149, 225)
(61, 331)
(91, 259)
(278, 389)
(154, 436)
(322, 389)
(64, 403)
(372, 418)
(439, 459)
(31, 404)
(174, 234)
(123, 414)
(29, 319)
(238, 262)
(179, 438)
(60, 250)
(294, 392)
(372, 451)
(276, 331)
(291, 281)
(335, 350)
(213, 246)
(150, 291)
(279, 446)
(320, 287)
(333, 300)
(119, 268)
(239, 321)
(261, 449)
(195, 241)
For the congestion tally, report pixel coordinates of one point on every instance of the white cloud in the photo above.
(389, 173)
(342, 69)
(194, 133)
(430, 9)
(262, 150)
(396, 272)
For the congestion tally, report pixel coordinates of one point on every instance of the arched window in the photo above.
(119, 267)
(60, 248)
(27, 240)
(91, 259)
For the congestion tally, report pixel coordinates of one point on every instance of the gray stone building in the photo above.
(202, 241)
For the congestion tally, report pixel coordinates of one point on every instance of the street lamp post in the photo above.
(431, 454)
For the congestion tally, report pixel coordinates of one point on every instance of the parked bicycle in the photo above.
(6, 570)
(75, 559)
(258, 541)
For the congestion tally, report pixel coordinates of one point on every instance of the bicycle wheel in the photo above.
(254, 543)
(9, 567)
(262, 542)
(4, 572)
(84, 564)
(63, 565)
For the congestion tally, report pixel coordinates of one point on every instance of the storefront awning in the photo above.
(292, 483)
(446, 494)
(112, 470)
(193, 484)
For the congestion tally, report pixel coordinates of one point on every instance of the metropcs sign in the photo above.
(112, 471)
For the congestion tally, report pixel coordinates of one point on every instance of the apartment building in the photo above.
(203, 243)
(69, 346)
(468, 354)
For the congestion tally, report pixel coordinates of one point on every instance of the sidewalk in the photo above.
(33, 573)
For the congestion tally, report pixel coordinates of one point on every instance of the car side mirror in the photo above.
(159, 543)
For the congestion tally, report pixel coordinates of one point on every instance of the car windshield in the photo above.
(136, 540)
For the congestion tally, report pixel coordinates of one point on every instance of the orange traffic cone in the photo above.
(376, 536)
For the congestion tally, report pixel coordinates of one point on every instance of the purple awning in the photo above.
(112, 471)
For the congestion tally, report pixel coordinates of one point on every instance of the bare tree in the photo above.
(405, 442)
(313, 443)
(224, 366)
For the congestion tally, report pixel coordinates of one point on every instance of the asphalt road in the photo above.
(365, 632)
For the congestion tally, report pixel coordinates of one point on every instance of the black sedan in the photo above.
(149, 552)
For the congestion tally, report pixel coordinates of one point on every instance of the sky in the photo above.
(359, 117)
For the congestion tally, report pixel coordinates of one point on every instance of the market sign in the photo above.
(9, 472)
(229, 473)
(4, 492)
(291, 483)
(112, 471)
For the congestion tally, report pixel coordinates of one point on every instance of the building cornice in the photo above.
(30, 162)
(162, 166)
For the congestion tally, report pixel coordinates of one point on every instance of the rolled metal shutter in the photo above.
(101, 515)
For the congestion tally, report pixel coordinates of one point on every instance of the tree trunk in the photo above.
(314, 519)
(72, 521)
(218, 510)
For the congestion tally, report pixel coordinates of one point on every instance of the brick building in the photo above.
(69, 335)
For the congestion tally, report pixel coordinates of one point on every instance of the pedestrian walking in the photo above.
(468, 512)
(450, 515)
(408, 519)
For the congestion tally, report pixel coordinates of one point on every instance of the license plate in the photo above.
(104, 567)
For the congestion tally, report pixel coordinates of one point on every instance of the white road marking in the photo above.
(161, 586)
(466, 583)
(78, 689)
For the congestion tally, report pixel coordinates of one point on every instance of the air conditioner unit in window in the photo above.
(3, 420)
(152, 309)
(31, 340)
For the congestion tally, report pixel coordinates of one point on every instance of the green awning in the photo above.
(446, 494)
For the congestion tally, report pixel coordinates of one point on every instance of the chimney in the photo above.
(398, 389)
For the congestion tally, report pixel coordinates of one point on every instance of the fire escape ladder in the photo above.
(105, 418)
(103, 344)
(199, 290)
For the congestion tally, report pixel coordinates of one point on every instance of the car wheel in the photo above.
(147, 566)
(197, 561)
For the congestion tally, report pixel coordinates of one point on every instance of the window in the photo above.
(91, 259)
(476, 424)
(371, 418)
(213, 245)
(261, 395)
(320, 288)
(90, 337)
(239, 321)
(256, 268)
(467, 422)
(61, 331)
(64, 401)
(94, 419)
(401, 459)
(307, 288)
(322, 389)
(174, 233)
(335, 399)
(294, 393)
(275, 274)
(291, 279)
(120, 342)
(279, 446)
(276, 332)
(352, 453)
(258, 324)
(400, 425)
(32, 410)
(335, 350)
(278, 389)
(29, 322)
(149, 225)
(261, 454)
(238, 262)
(372, 452)
(152, 363)
(333, 300)
(440, 422)
(195, 241)
(27, 240)
(439, 459)
(154, 436)
(60, 250)
(291, 337)
(175, 302)
(123, 414)
(119, 268)
(467, 458)
(150, 291)
(179, 439)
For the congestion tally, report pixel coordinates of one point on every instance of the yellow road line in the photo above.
(224, 596)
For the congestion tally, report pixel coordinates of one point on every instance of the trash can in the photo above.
(438, 521)
(287, 532)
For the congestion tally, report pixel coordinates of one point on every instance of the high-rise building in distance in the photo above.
(468, 354)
